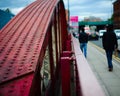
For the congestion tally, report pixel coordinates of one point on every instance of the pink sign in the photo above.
(74, 18)
(74, 21)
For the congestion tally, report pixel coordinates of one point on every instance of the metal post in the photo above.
(65, 76)
(68, 16)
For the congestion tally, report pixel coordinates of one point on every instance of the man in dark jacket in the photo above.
(83, 39)
(110, 43)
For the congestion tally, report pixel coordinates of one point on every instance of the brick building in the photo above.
(116, 14)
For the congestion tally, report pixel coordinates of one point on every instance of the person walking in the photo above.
(83, 39)
(109, 42)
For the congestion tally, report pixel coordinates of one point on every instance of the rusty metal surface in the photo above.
(19, 87)
(22, 41)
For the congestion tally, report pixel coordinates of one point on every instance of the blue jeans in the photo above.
(83, 47)
(109, 58)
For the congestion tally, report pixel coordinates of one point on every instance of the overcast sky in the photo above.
(80, 8)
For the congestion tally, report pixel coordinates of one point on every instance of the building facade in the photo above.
(116, 14)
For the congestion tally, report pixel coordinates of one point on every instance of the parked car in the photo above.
(75, 34)
(117, 32)
(93, 36)
(101, 33)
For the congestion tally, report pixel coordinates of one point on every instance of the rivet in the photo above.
(7, 73)
(25, 56)
(33, 59)
(5, 45)
(8, 69)
(5, 77)
(20, 46)
(15, 56)
(10, 65)
(12, 86)
(1, 50)
(18, 51)
(10, 91)
(7, 54)
(32, 62)
(26, 53)
(24, 86)
(30, 65)
(19, 69)
(11, 62)
(3, 87)
(33, 56)
(22, 91)
(23, 59)
(22, 63)
(13, 44)
(25, 81)
(5, 57)
(35, 53)
(11, 47)
(17, 73)
(1, 62)
(29, 69)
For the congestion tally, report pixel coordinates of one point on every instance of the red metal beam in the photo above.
(19, 87)
(65, 75)
(20, 43)
(23, 44)
(52, 63)
(63, 23)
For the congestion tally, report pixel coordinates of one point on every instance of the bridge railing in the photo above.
(87, 83)
(77, 78)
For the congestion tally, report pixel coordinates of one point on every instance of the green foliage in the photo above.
(111, 19)
(8, 10)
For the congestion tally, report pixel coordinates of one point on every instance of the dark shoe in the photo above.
(110, 69)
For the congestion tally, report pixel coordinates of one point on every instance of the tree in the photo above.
(8, 11)
(111, 19)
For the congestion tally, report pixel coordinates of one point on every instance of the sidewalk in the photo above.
(110, 81)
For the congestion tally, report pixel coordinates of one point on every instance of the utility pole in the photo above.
(68, 12)
(68, 16)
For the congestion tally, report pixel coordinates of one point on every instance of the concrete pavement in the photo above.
(110, 81)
